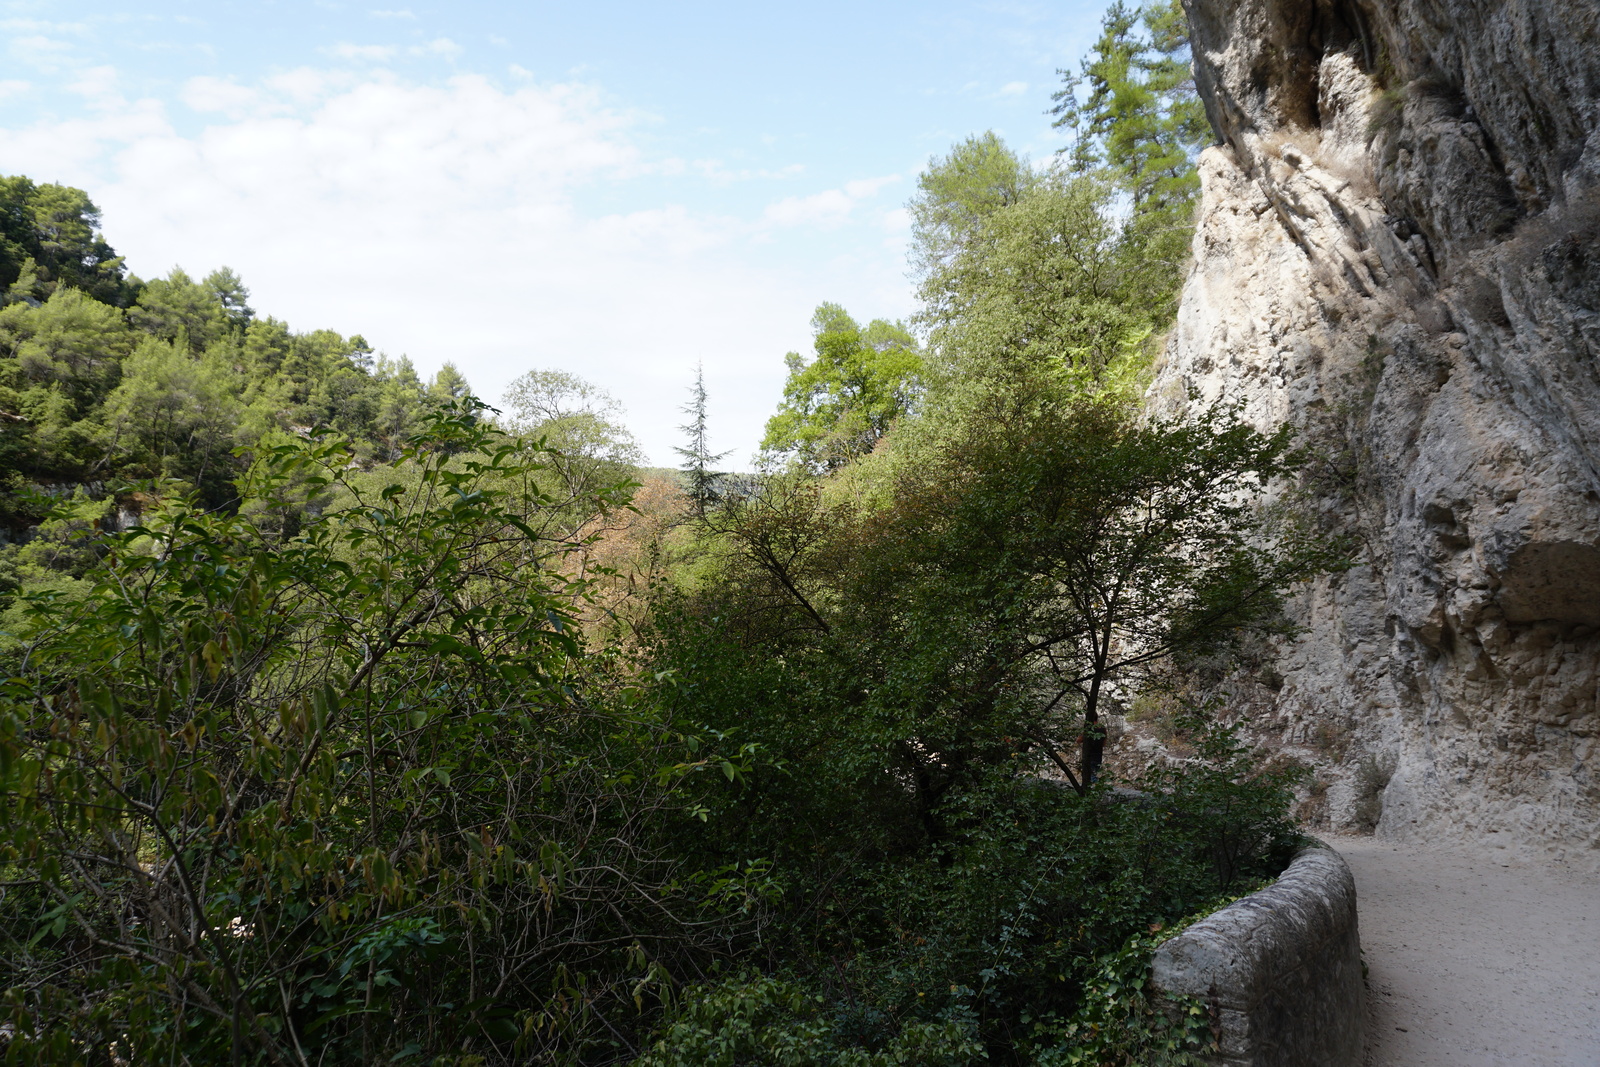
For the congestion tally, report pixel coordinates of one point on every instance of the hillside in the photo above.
(107, 380)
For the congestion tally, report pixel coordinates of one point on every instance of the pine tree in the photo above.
(25, 290)
(1142, 119)
(698, 459)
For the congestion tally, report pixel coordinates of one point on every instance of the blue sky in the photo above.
(620, 190)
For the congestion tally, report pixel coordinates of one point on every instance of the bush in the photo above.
(346, 790)
(1003, 922)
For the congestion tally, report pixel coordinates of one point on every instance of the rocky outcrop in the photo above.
(1399, 252)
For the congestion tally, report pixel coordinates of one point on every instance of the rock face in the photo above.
(1399, 252)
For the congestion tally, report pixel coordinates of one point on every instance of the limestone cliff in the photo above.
(1399, 251)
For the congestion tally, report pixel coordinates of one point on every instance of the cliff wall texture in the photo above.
(1399, 252)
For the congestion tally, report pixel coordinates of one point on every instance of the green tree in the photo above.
(28, 287)
(1057, 547)
(176, 416)
(1039, 548)
(266, 346)
(177, 307)
(57, 227)
(913, 654)
(400, 403)
(1141, 118)
(699, 461)
(69, 318)
(956, 196)
(448, 385)
(345, 793)
(231, 294)
(1050, 280)
(579, 421)
(58, 360)
(841, 403)
(71, 342)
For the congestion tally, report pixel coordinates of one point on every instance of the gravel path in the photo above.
(1476, 960)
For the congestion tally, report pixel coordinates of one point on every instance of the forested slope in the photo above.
(108, 381)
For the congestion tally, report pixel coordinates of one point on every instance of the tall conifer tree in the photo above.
(1141, 118)
(698, 459)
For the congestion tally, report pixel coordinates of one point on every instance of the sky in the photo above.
(624, 191)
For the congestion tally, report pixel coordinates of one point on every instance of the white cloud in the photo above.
(41, 26)
(382, 53)
(447, 221)
(442, 221)
(439, 46)
(306, 85)
(1013, 89)
(400, 14)
(38, 51)
(370, 53)
(865, 187)
(829, 208)
(715, 170)
(208, 94)
(98, 87)
(10, 87)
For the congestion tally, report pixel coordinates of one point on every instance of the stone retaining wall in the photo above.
(1281, 969)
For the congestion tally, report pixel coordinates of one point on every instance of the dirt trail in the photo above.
(1476, 960)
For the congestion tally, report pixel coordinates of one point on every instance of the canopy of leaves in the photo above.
(957, 193)
(329, 742)
(338, 790)
(580, 426)
(1034, 552)
(571, 414)
(838, 405)
(105, 380)
(1050, 281)
(49, 238)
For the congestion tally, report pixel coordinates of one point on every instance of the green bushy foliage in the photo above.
(838, 405)
(345, 789)
(910, 643)
(991, 920)
(753, 1020)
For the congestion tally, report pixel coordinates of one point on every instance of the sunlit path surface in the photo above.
(1476, 960)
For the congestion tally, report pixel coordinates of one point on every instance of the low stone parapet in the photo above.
(1280, 969)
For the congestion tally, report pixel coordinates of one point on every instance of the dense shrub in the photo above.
(346, 789)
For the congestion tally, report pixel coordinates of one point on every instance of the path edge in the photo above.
(1279, 969)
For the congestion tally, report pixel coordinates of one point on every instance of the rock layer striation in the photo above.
(1399, 253)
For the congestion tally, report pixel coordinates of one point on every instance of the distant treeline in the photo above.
(107, 380)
